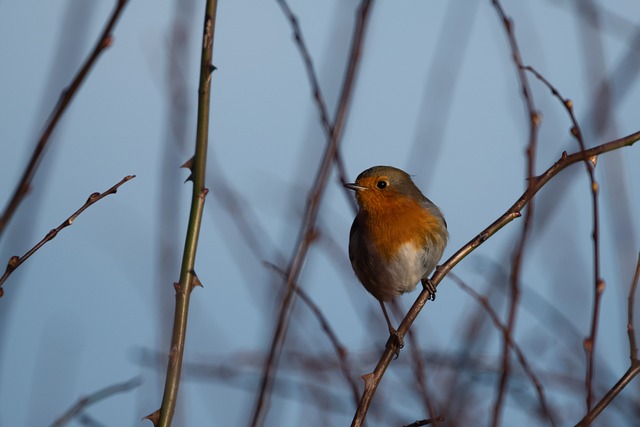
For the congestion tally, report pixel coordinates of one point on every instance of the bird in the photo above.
(397, 237)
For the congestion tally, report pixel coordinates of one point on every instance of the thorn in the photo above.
(196, 281)
(188, 164)
(154, 417)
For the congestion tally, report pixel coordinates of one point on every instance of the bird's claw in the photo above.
(395, 341)
(426, 284)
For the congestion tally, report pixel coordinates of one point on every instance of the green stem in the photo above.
(187, 276)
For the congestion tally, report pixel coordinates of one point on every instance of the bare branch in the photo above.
(484, 303)
(16, 261)
(84, 402)
(104, 41)
(633, 370)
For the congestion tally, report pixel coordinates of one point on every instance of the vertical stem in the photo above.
(187, 275)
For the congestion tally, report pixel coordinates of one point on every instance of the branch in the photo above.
(373, 379)
(307, 232)
(599, 283)
(15, 261)
(104, 41)
(188, 278)
(87, 401)
(315, 88)
(633, 370)
(484, 303)
(340, 350)
(534, 122)
(633, 347)
(426, 422)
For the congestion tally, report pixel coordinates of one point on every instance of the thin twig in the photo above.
(534, 122)
(104, 41)
(420, 374)
(188, 279)
(633, 347)
(425, 422)
(373, 379)
(340, 350)
(307, 232)
(254, 237)
(417, 364)
(308, 64)
(315, 88)
(599, 283)
(84, 402)
(15, 261)
(634, 368)
(484, 303)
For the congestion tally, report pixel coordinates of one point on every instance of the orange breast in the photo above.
(397, 220)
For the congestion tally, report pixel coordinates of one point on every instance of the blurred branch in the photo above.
(104, 41)
(633, 347)
(15, 261)
(87, 401)
(420, 375)
(315, 88)
(188, 278)
(536, 183)
(417, 364)
(308, 64)
(484, 303)
(534, 123)
(326, 327)
(307, 232)
(634, 368)
(426, 422)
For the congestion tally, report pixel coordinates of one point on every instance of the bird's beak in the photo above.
(355, 187)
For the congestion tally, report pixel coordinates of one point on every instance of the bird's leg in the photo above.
(426, 283)
(395, 339)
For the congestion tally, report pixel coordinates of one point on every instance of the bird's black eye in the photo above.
(382, 184)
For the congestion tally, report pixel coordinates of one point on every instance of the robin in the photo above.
(397, 237)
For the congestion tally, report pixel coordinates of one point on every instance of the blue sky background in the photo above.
(436, 95)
